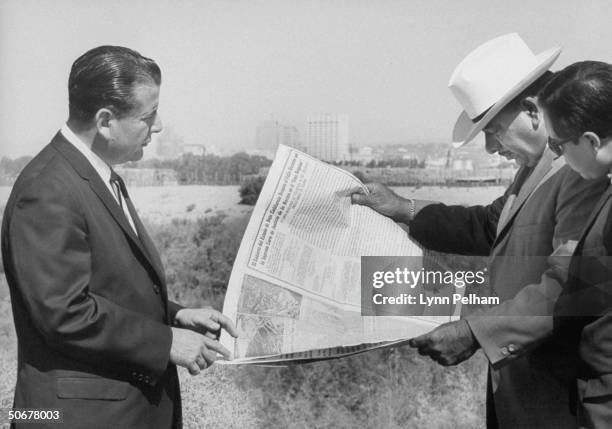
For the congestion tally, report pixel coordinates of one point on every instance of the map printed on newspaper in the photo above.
(294, 291)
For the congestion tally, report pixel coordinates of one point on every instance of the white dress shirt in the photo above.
(101, 167)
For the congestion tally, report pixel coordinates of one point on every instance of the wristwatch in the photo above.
(411, 209)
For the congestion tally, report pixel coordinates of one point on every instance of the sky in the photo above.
(227, 65)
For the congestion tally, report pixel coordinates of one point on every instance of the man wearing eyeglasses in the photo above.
(577, 106)
(540, 214)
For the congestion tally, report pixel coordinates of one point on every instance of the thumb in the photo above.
(375, 187)
(360, 198)
(419, 341)
(193, 368)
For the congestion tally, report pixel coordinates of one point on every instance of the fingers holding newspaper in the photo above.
(448, 344)
(194, 351)
(206, 321)
(382, 200)
(195, 344)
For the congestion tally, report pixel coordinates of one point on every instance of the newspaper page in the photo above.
(294, 290)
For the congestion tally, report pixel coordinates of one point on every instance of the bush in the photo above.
(198, 256)
(360, 176)
(249, 191)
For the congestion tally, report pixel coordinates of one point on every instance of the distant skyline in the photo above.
(229, 64)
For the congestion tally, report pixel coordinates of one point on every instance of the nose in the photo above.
(491, 143)
(157, 125)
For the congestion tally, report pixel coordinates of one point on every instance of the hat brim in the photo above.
(465, 129)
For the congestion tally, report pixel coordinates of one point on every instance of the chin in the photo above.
(588, 174)
(595, 174)
(137, 156)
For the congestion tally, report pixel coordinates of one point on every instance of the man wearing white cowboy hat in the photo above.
(542, 212)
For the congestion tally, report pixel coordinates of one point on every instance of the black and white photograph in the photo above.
(305, 214)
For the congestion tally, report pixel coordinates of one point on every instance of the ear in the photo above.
(530, 106)
(102, 119)
(592, 139)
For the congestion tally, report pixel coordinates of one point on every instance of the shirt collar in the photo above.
(101, 167)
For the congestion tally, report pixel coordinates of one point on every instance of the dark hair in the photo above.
(533, 89)
(579, 99)
(104, 77)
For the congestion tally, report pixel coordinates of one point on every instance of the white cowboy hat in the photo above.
(490, 77)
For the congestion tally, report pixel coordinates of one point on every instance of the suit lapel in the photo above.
(148, 246)
(150, 251)
(519, 179)
(87, 172)
(600, 204)
(571, 301)
(545, 168)
(100, 189)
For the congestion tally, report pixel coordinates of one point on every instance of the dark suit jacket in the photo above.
(584, 317)
(89, 300)
(544, 208)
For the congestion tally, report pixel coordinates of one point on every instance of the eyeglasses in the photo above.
(557, 145)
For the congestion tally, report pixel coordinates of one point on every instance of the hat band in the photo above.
(479, 117)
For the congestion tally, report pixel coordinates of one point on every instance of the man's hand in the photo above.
(194, 351)
(383, 200)
(448, 344)
(206, 321)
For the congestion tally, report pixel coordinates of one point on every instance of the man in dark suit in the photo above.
(578, 110)
(97, 337)
(540, 214)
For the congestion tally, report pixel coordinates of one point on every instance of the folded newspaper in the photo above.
(295, 291)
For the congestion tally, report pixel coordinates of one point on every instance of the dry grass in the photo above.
(213, 399)
(159, 204)
(385, 389)
(381, 389)
(8, 347)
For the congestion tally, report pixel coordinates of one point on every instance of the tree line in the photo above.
(209, 169)
(10, 168)
(190, 169)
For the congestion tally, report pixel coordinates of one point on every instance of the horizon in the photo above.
(151, 155)
(228, 65)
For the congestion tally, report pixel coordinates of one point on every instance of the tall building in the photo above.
(327, 137)
(271, 133)
(195, 149)
(267, 135)
(290, 137)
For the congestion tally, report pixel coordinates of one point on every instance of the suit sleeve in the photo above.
(514, 327)
(52, 263)
(173, 308)
(458, 229)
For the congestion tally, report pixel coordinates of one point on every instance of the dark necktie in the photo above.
(124, 197)
(121, 193)
(116, 183)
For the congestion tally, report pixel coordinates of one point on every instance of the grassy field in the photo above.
(384, 389)
(8, 347)
(391, 388)
(160, 204)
